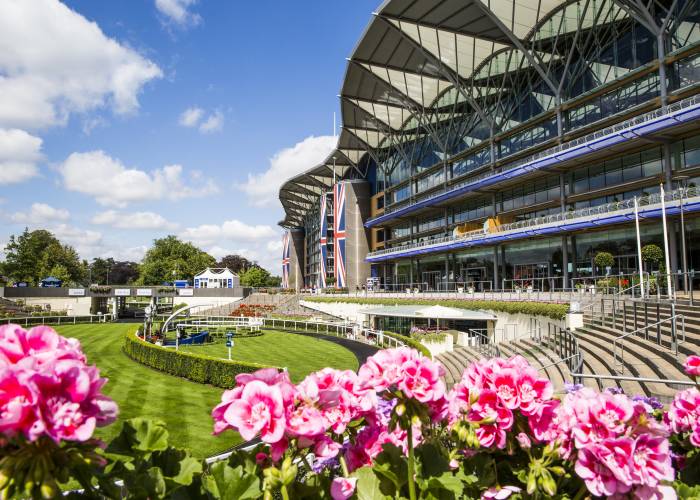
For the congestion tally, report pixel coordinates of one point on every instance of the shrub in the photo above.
(604, 260)
(194, 367)
(553, 311)
(652, 254)
(100, 289)
(410, 342)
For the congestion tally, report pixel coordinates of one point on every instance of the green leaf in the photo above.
(229, 483)
(177, 465)
(147, 484)
(392, 465)
(367, 487)
(140, 435)
(686, 492)
(447, 482)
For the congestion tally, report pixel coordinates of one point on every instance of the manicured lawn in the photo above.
(140, 391)
(186, 406)
(300, 354)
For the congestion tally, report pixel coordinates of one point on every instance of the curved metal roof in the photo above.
(417, 55)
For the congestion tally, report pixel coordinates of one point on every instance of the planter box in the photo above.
(437, 348)
(460, 290)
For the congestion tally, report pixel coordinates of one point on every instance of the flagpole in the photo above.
(639, 248)
(668, 265)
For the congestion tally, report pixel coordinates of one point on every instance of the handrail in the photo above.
(651, 115)
(41, 320)
(558, 362)
(346, 330)
(626, 378)
(613, 298)
(484, 346)
(617, 341)
(565, 345)
(652, 199)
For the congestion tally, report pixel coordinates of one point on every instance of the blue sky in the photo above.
(123, 121)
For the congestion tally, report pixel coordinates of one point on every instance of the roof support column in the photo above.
(518, 44)
(449, 74)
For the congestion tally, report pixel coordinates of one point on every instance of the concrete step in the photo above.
(539, 356)
(638, 361)
(455, 363)
(687, 348)
(690, 346)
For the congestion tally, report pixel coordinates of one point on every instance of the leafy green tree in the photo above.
(61, 272)
(604, 260)
(236, 263)
(111, 272)
(652, 255)
(32, 256)
(256, 277)
(169, 259)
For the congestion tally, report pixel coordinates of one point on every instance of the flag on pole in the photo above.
(323, 241)
(285, 260)
(339, 234)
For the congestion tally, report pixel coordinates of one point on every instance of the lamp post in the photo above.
(683, 181)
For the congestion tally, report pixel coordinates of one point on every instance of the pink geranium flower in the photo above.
(421, 381)
(692, 366)
(651, 460)
(343, 488)
(46, 388)
(259, 410)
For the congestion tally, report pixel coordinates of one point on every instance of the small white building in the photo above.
(217, 277)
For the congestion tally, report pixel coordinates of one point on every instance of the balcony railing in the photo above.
(627, 124)
(583, 213)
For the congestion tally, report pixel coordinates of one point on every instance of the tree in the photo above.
(604, 260)
(61, 272)
(33, 255)
(124, 272)
(256, 277)
(652, 255)
(111, 272)
(236, 263)
(170, 259)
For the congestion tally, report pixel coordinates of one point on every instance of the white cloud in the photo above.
(254, 242)
(133, 220)
(231, 230)
(262, 189)
(19, 154)
(111, 183)
(213, 123)
(191, 116)
(177, 12)
(40, 213)
(195, 117)
(54, 62)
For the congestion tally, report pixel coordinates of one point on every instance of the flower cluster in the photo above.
(491, 391)
(617, 444)
(46, 388)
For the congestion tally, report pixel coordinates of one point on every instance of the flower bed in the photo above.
(252, 310)
(391, 430)
(194, 367)
(554, 311)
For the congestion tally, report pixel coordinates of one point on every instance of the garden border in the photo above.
(195, 367)
(553, 311)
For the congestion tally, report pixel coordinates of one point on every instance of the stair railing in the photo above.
(619, 361)
(484, 345)
(565, 344)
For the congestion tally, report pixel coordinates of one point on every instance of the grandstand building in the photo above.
(503, 143)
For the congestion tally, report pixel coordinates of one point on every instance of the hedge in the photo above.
(553, 311)
(410, 342)
(194, 367)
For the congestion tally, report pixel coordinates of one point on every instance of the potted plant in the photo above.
(529, 287)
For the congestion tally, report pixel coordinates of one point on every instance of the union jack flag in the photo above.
(339, 234)
(285, 260)
(323, 241)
